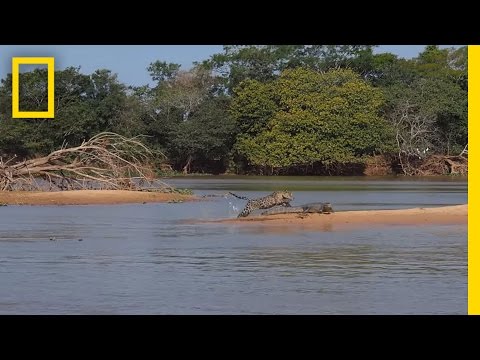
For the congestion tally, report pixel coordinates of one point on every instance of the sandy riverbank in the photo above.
(446, 215)
(88, 197)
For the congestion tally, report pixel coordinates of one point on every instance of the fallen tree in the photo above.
(435, 165)
(106, 161)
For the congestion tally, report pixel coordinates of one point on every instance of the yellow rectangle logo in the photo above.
(16, 62)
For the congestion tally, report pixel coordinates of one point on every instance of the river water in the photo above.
(151, 259)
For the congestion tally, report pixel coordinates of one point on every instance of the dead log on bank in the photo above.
(106, 161)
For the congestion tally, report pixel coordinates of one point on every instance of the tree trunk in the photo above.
(186, 168)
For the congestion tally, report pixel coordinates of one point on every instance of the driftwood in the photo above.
(437, 165)
(106, 161)
(319, 208)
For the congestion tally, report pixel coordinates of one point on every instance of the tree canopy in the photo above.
(258, 108)
(330, 117)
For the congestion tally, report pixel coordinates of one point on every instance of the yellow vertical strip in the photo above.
(473, 177)
(15, 87)
(51, 87)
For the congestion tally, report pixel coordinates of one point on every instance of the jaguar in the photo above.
(276, 198)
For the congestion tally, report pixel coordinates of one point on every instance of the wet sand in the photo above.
(88, 197)
(446, 215)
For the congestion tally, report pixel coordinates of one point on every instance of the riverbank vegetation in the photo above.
(321, 109)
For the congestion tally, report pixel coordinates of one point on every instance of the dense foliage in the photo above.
(327, 118)
(259, 109)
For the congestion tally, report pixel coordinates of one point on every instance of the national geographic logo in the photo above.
(16, 62)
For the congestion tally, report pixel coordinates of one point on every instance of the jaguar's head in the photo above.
(284, 195)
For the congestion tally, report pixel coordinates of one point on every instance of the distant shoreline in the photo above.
(445, 215)
(89, 197)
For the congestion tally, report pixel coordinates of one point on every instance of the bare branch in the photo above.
(107, 160)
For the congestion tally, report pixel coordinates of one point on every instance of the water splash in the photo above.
(233, 209)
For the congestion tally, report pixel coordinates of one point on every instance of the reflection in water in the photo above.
(152, 259)
(258, 228)
(361, 260)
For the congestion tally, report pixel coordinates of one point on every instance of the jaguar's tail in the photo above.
(239, 197)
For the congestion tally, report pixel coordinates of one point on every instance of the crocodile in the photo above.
(319, 208)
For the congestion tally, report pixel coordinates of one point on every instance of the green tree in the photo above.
(265, 62)
(253, 104)
(426, 101)
(428, 113)
(327, 118)
(162, 71)
(84, 106)
(22, 137)
(205, 140)
(187, 119)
